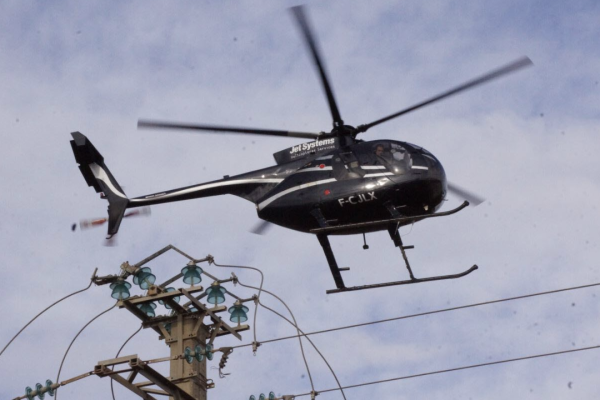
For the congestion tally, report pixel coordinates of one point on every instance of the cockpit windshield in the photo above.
(388, 156)
(381, 158)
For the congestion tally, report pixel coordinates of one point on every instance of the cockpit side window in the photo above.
(346, 166)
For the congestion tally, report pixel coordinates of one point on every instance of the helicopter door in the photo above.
(353, 192)
(345, 166)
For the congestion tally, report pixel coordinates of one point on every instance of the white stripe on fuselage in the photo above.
(293, 189)
(206, 186)
(378, 174)
(313, 169)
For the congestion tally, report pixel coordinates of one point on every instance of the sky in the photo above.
(527, 143)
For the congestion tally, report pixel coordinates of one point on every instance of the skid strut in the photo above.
(395, 235)
(335, 270)
(392, 226)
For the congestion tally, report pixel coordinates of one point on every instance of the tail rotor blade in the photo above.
(138, 212)
(464, 194)
(85, 224)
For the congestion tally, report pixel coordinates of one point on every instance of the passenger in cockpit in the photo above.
(382, 155)
(396, 160)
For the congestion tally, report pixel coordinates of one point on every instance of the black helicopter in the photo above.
(335, 184)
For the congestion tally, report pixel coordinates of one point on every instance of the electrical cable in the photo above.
(294, 324)
(112, 390)
(427, 313)
(47, 308)
(315, 347)
(262, 278)
(260, 289)
(455, 369)
(73, 341)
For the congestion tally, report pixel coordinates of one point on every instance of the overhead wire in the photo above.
(112, 390)
(341, 388)
(443, 310)
(73, 341)
(262, 278)
(305, 335)
(296, 326)
(260, 289)
(454, 369)
(47, 308)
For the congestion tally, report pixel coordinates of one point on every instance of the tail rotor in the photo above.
(86, 224)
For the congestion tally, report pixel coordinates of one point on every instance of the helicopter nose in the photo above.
(433, 177)
(435, 169)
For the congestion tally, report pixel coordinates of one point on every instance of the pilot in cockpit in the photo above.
(396, 160)
(382, 156)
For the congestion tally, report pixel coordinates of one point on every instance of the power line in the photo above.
(49, 307)
(262, 279)
(294, 324)
(73, 341)
(112, 390)
(426, 313)
(454, 369)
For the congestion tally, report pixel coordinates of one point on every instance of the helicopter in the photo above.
(334, 184)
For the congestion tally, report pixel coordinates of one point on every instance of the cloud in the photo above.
(67, 66)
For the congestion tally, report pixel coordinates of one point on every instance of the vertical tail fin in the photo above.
(96, 174)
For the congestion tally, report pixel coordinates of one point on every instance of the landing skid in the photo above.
(392, 226)
(408, 282)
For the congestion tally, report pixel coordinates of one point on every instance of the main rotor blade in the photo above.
(144, 123)
(309, 37)
(507, 69)
(472, 198)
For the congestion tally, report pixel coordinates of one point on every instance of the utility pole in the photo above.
(189, 330)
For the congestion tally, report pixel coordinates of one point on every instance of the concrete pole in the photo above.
(191, 378)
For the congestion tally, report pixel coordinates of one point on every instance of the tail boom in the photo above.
(243, 187)
(250, 186)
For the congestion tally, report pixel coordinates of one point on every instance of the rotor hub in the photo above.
(344, 130)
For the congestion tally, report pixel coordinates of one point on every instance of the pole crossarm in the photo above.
(215, 318)
(132, 303)
(208, 258)
(165, 296)
(139, 367)
(127, 269)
